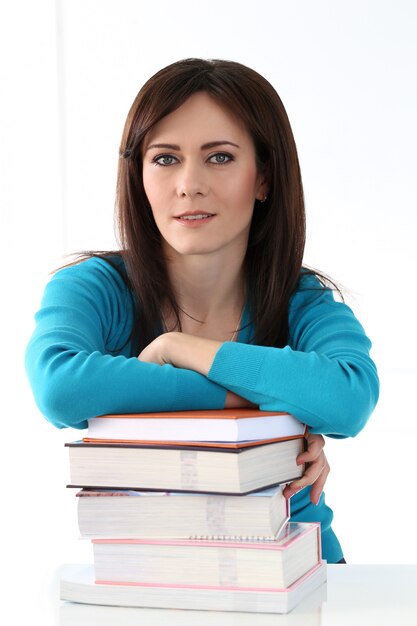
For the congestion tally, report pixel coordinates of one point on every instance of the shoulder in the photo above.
(93, 299)
(111, 265)
(314, 311)
(95, 284)
(96, 272)
(310, 289)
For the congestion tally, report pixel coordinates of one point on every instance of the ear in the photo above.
(262, 189)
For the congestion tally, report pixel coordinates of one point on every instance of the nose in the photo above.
(191, 181)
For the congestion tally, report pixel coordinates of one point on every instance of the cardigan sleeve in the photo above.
(325, 376)
(78, 359)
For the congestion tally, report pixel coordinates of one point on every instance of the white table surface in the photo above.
(354, 595)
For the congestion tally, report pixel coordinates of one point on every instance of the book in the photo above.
(223, 470)
(130, 514)
(207, 425)
(77, 584)
(240, 563)
(307, 612)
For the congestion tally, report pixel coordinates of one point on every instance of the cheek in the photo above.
(154, 192)
(245, 190)
(148, 184)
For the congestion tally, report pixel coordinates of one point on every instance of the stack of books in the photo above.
(186, 511)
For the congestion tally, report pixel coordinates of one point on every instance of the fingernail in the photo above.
(292, 493)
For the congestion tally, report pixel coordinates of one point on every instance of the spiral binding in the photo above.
(235, 538)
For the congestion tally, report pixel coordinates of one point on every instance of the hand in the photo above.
(317, 469)
(155, 352)
(182, 350)
(160, 351)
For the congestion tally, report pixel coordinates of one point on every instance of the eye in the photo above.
(164, 160)
(220, 157)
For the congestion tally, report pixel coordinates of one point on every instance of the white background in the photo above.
(346, 73)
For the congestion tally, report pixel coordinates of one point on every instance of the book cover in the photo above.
(291, 534)
(307, 613)
(244, 562)
(77, 584)
(193, 445)
(184, 468)
(157, 514)
(208, 425)
(214, 446)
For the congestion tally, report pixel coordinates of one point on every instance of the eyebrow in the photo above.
(205, 146)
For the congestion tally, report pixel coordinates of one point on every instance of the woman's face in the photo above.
(201, 179)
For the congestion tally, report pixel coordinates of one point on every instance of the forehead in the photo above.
(201, 118)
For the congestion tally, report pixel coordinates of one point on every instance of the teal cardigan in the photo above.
(80, 364)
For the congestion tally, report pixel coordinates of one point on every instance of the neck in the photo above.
(210, 289)
(202, 288)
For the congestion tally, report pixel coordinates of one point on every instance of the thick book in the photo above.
(78, 584)
(223, 470)
(206, 425)
(126, 514)
(307, 612)
(243, 563)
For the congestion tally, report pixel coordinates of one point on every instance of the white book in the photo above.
(307, 612)
(241, 562)
(127, 514)
(78, 585)
(208, 469)
(223, 425)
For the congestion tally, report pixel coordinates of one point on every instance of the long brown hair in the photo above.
(277, 237)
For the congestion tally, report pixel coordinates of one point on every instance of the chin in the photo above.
(194, 250)
(190, 248)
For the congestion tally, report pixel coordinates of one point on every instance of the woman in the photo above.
(207, 304)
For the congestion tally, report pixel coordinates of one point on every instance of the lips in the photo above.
(194, 219)
(194, 215)
(198, 216)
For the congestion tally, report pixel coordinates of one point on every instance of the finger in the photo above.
(316, 488)
(318, 485)
(311, 474)
(315, 446)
